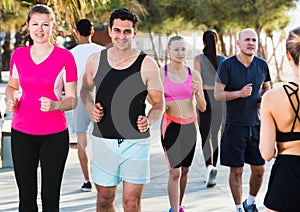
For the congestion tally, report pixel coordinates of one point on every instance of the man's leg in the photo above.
(235, 183)
(105, 198)
(256, 179)
(83, 159)
(132, 194)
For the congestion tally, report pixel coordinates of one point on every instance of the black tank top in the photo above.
(290, 136)
(122, 94)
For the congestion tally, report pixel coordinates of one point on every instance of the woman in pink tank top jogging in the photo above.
(182, 88)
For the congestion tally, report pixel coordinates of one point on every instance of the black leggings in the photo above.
(209, 125)
(52, 151)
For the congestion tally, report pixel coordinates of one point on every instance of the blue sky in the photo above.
(295, 17)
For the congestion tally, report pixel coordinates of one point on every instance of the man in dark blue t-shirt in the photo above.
(240, 81)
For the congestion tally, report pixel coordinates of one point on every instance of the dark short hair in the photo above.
(124, 14)
(84, 27)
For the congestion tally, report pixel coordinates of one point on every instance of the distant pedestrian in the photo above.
(240, 81)
(280, 135)
(209, 120)
(6, 55)
(84, 32)
(39, 127)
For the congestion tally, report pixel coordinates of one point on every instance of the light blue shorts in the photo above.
(81, 118)
(114, 160)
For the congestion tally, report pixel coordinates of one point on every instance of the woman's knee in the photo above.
(175, 174)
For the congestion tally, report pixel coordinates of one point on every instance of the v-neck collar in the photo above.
(43, 61)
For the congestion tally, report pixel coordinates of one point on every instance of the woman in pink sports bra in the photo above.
(182, 87)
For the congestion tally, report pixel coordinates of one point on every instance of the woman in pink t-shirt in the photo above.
(39, 126)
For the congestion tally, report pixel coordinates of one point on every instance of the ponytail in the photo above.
(293, 47)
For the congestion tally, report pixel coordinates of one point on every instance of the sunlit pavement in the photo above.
(155, 198)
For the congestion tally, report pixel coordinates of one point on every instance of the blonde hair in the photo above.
(173, 38)
(293, 47)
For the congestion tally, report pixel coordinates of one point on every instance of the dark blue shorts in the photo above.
(239, 145)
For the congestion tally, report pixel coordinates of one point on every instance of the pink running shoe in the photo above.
(181, 209)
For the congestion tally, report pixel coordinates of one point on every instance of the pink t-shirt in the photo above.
(41, 80)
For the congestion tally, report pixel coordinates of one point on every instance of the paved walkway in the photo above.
(198, 198)
(155, 198)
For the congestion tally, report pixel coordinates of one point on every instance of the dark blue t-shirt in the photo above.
(234, 75)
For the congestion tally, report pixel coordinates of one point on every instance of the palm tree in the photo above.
(69, 11)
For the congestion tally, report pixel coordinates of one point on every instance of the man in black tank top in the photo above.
(120, 78)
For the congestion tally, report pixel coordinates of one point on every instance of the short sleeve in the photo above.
(267, 74)
(71, 68)
(222, 75)
(13, 71)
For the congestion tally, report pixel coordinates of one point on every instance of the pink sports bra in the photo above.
(178, 91)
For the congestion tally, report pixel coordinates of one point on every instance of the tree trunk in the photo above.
(223, 47)
(278, 76)
(153, 47)
(231, 44)
(258, 31)
(160, 49)
(260, 49)
(166, 52)
(221, 38)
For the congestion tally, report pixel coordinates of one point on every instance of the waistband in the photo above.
(167, 119)
(180, 120)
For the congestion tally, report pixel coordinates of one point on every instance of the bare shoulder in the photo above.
(93, 63)
(150, 71)
(274, 91)
(94, 58)
(197, 66)
(195, 74)
(149, 68)
(197, 58)
(149, 64)
(273, 95)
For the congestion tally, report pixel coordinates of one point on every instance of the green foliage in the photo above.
(261, 13)
(166, 15)
(69, 11)
(163, 16)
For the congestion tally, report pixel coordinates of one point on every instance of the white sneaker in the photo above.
(211, 176)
